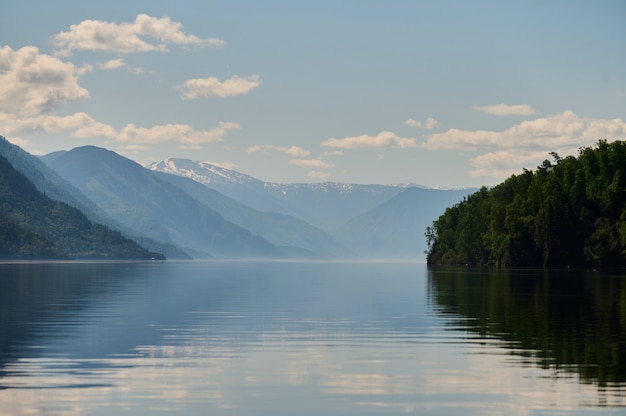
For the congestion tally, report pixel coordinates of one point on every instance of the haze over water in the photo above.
(266, 338)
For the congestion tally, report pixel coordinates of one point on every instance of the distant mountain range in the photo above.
(395, 229)
(325, 205)
(373, 221)
(279, 229)
(191, 209)
(142, 201)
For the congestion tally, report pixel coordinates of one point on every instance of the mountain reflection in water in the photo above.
(307, 338)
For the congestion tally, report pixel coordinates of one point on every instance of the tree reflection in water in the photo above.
(565, 321)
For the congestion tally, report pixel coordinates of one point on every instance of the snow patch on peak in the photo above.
(202, 172)
(179, 167)
(209, 173)
(325, 187)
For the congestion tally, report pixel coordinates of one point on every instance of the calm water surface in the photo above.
(286, 338)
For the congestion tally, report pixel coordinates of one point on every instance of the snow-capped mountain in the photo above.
(203, 172)
(326, 205)
(373, 221)
(144, 202)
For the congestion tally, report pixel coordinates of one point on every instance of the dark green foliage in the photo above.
(33, 226)
(18, 242)
(53, 185)
(568, 213)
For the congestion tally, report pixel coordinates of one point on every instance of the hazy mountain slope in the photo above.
(48, 181)
(328, 205)
(324, 205)
(142, 201)
(395, 229)
(238, 186)
(54, 186)
(278, 229)
(32, 225)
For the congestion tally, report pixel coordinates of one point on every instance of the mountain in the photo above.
(278, 229)
(208, 210)
(373, 221)
(395, 229)
(34, 226)
(57, 188)
(330, 204)
(143, 201)
(238, 186)
(49, 182)
(324, 205)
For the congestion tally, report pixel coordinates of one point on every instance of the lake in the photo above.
(308, 338)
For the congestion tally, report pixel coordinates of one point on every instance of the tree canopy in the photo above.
(33, 226)
(568, 212)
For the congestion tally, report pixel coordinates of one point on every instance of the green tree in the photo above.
(566, 213)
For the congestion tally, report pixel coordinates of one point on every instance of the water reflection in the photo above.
(277, 338)
(562, 321)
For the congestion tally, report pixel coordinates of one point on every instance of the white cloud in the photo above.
(84, 69)
(189, 146)
(385, 139)
(295, 151)
(82, 125)
(115, 64)
(332, 153)
(311, 163)
(133, 148)
(131, 37)
(33, 83)
(18, 141)
(78, 124)
(317, 175)
(180, 133)
(503, 163)
(526, 144)
(112, 64)
(213, 87)
(429, 124)
(139, 71)
(565, 129)
(506, 109)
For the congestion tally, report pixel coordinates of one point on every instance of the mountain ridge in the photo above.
(325, 205)
(35, 226)
(140, 199)
(395, 228)
(211, 211)
(373, 220)
(49, 182)
(278, 229)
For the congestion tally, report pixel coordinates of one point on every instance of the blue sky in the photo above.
(445, 93)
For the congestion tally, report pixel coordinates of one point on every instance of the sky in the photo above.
(435, 93)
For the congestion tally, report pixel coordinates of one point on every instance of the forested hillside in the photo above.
(54, 186)
(142, 201)
(569, 212)
(33, 226)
